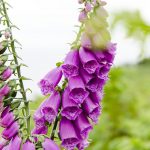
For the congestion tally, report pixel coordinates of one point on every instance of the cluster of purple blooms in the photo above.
(78, 104)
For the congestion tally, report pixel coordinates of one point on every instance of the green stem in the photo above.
(75, 44)
(26, 102)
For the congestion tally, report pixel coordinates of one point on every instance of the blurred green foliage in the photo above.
(125, 120)
(135, 26)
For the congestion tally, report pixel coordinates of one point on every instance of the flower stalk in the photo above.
(12, 46)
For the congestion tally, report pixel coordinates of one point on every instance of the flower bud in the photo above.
(88, 7)
(6, 74)
(82, 16)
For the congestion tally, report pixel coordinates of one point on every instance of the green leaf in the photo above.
(25, 78)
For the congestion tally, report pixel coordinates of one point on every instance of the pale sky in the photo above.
(47, 26)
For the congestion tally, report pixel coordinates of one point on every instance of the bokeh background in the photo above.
(46, 29)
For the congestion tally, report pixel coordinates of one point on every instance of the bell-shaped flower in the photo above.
(96, 96)
(68, 134)
(11, 131)
(50, 81)
(28, 146)
(78, 92)
(88, 60)
(4, 90)
(6, 74)
(107, 55)
(70, 109)
(41, 130)
(83, 125)
(71, 64)
(50, 107)
(92, 109)
(48, 144)
(83, 144)
(15, 143)
(92, 83)
(102, 72)
(6, 118)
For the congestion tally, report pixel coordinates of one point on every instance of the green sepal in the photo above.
(58, 64)
(3, 59)
(15, 104)
(12, 83)
(4, 45)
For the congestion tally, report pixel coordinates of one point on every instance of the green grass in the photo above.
(125, 120)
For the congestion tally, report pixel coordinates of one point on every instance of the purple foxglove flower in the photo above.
(103, 71)
(6, 118)
(70, 109)
(84, 144)
(28, 146)
(96, 96)
(15, 143)
(88, 60)
(68, 134)
(96, 84)
(82, 16)
(71, 63)
(50, 81)
(77, 90)
(4, 90)
(92, 109)
(6, 74)
(85, 41)
(38, 131)
(3, 142)
(49, 108)
(107, 55)
(39, 118)
(83, 125)
(11, 131)
(92, 83)
(48, 144)
(88, 7)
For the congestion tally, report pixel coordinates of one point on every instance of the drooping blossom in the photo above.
(28, 146)
(88, 60)
(68, 134)
(50, 81)
(83, 125)
(6, 118)
(92, 109)
(70, 109)
(92, 82)
(48, 144)
(4, 90)
(15, 143)
(70, 66)
(77, 90)
(11, 131)
(96, 96)
(49, 108)
(6, 74)
(83, 144)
